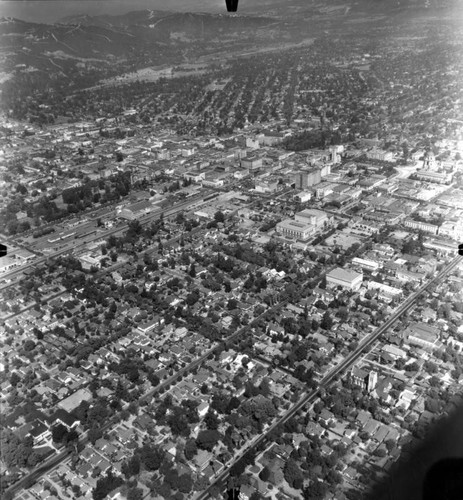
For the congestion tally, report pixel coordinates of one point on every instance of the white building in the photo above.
(369, 265)
(422, 226)
(296, 230)
(379, 154)
(345, 278)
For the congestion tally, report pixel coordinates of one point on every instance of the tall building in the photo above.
(306, 178)
(335, 158)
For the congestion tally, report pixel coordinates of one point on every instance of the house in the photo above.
(363, 417)
(405, 399)
(63, 417)
(393, 351)
(39, 432)
(202, 409)
(202, 459)
(246, 491)
(326, 417)
(381, 433)
(371, 426)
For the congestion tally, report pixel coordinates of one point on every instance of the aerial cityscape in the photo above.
(230, 265)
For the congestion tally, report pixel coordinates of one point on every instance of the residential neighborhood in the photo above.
(271, 305)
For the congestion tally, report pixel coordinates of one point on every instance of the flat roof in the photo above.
(311, 212)
(293, 224)
(343, 274)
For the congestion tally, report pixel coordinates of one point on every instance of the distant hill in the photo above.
(118, 36)
(79, 51)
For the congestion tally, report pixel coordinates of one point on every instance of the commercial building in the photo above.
(451, 229)
(270, 138)
(135, 210)
(368, 265)
(303, 196)
(196, 177)
(372, 182)
(251, 163)
(380, 154)
(324, 189)
(266, 186)
(345, 278)
(440, 247)
(390, 291)
(432, 176)
(422, 226)
(307, 178)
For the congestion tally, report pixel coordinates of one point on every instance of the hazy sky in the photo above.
(53, 10)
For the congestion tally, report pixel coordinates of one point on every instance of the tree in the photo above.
(327, 321)
(15, 379)
(264, 474)
(192, 270)
(134, 494)
(211, 420)
(151, 457)
(29, 345)
(232, 304)
(219, 216)
(131, 467)
(206, 440)
(220, 402)
(412, 367)
(154, 379)
(59, 433)
(184, 483)
(190, 449)
(430, 367)
(94, 434)
(292, 472)
(390, 444)
(316, 491)
(105, 485)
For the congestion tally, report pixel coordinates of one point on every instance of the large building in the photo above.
(380, 154)
(135, 210)
(251, 163)
(316, 218)
(306, 178)
(345, 278)
(422, 226)
(304, 225)
(266, 186)
(295, 230)
(440, 247)
(367, 380)
(423, 335)
(324, 189)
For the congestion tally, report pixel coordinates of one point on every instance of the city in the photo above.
(231, 275)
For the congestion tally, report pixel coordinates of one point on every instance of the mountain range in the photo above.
(84, 49)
